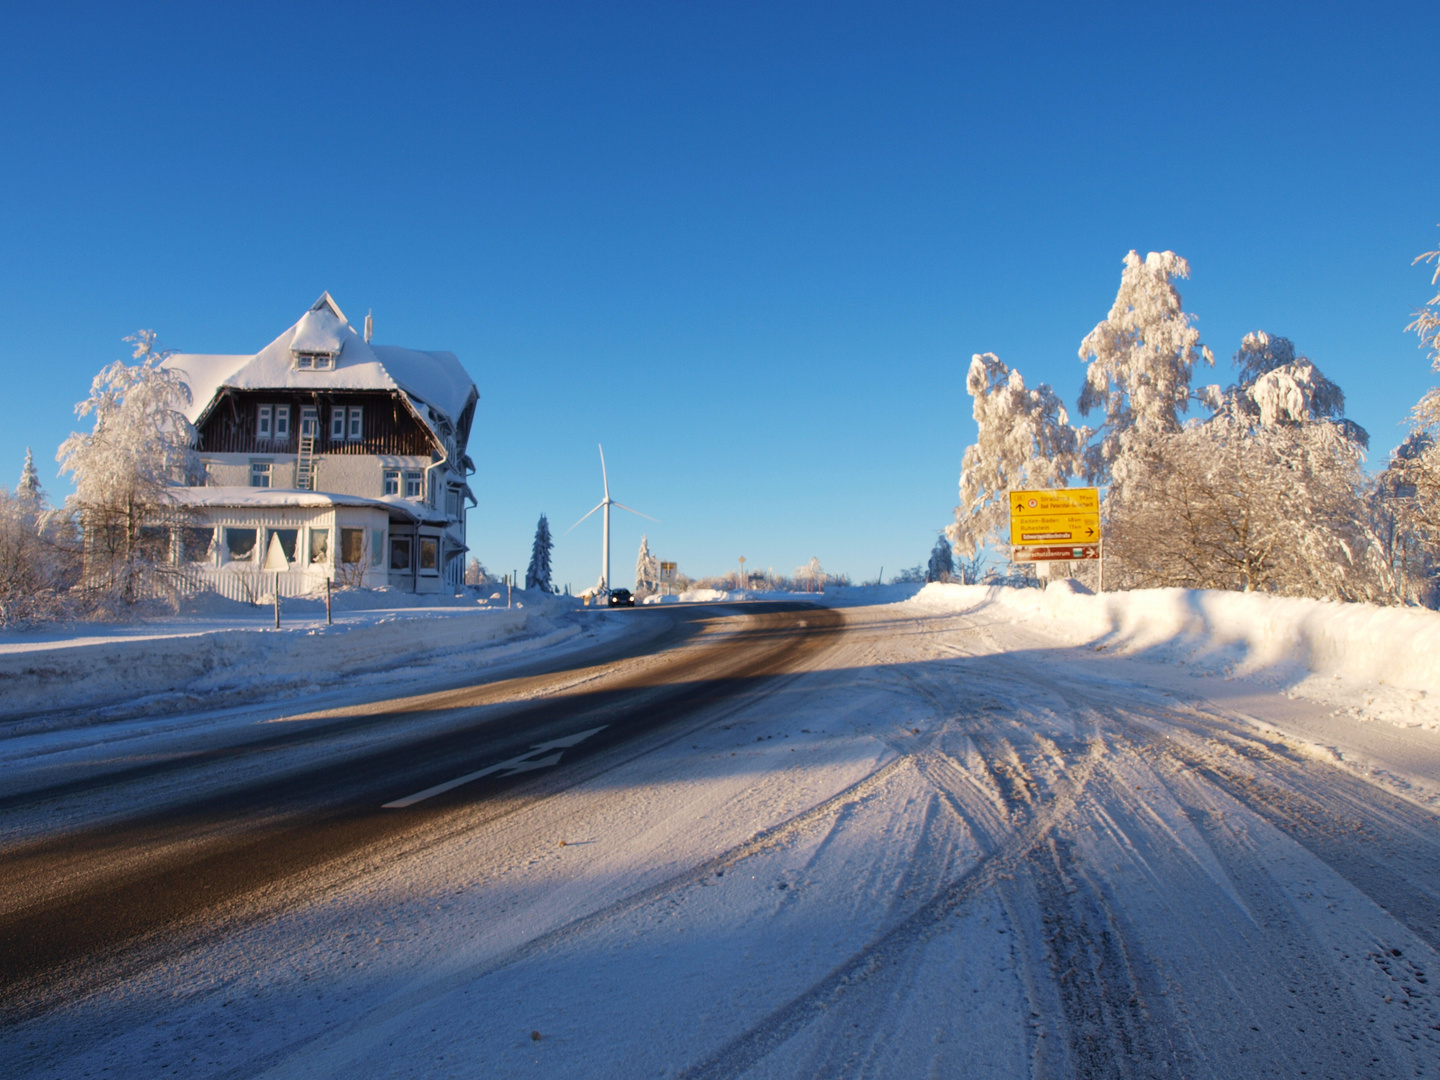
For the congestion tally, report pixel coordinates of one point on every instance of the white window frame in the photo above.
(355, 428)
(390, 482)
(414, 484)
(304, 361)
(282, 423)
(310, 420)
(265, 469)
(337, 423)
(264, 421)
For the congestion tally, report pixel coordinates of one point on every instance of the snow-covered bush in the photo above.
(141, 447)
(1228, 505)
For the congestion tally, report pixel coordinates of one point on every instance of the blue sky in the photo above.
(749, 247)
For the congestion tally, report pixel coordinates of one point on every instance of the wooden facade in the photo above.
(387, 425)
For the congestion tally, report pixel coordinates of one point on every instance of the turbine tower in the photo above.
(605, 504)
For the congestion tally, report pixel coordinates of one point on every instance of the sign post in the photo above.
(1055, 525)
(667, 576)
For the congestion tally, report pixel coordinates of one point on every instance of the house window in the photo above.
(377, 546)
(319, 545)
(309, 420)
(288, 539)
(282, 422)
(154, 543)
(337, 422)
(357, 415)
(414, 483)
(240, 543)
(400, 553)
(392, 482)
(264, 419)
(195, 544)
(304, 360)
(352, 546)
(452, 502)
(314, 361)
(429, 554)
(260, 474)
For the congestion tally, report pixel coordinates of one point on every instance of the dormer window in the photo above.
(314, 361)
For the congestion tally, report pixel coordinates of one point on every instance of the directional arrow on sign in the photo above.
(526, 762)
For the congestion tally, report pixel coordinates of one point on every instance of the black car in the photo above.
(622, 598)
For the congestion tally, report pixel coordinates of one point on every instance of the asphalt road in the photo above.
(234, 830)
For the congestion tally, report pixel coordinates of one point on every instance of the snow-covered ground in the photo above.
(990, 832)
(220, 653)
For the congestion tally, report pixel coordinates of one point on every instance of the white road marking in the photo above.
(523, 763)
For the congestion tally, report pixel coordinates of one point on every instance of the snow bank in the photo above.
(232, 663)
(1237, 633)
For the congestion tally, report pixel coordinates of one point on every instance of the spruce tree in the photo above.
(28, 491)
(942, 561)
(537, 575)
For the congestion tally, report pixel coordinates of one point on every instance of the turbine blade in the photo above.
(637, 513)
(604, 476)
(597, 507)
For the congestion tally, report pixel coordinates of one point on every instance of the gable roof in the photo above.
(436, 384)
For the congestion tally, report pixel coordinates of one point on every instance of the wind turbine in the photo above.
(606, 503)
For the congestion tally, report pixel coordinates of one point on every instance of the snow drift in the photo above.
(1238, 633)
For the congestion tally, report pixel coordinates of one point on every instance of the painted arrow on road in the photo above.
(525, 762)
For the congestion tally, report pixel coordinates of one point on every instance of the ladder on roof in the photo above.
(305, 462)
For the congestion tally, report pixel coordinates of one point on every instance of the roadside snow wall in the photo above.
(1237, 633)
(219, 666)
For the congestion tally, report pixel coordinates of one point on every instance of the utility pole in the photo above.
(742, 571)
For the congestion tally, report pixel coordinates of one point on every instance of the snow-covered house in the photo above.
(328, 457)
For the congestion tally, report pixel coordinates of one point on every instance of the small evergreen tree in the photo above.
(537, 575)
(29, 492)
(942, 561)
(475, 573)
(647, 571)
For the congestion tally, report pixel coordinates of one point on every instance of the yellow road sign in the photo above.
(1055, 518)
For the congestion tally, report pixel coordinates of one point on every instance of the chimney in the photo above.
(369, 325)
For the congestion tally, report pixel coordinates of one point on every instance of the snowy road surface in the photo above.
(883, 841)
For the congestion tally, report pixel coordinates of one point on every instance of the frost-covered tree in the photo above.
(1408, 492)
(1140, 361)
(475, 573)
(537, 574)
(942, 561)
(29, 492)
(125, 469)
(647, 571)
(1024, 440)
(811, 577)
(1269, 493)
(1275, 386)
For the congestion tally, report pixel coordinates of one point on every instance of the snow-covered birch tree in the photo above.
(1140, 361)
(1024, 440)
(647, 571)
(537, 574)
(125, 469)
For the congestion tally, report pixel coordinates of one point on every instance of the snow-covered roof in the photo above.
(286, 499)
(430, 379)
